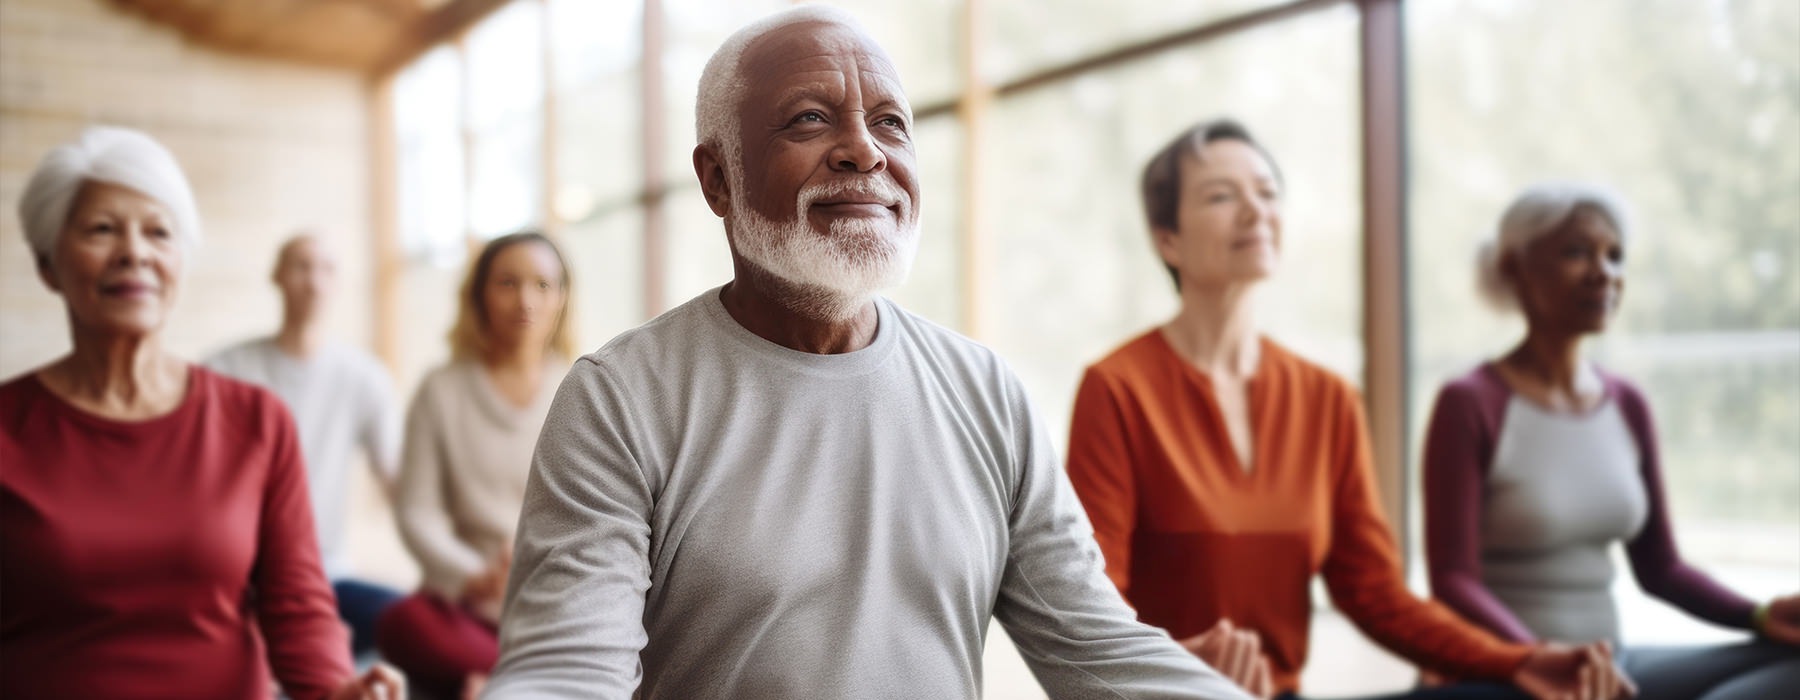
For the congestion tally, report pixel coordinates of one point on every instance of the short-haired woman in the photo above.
(1538, 462)
(467, 451)
(155, 535)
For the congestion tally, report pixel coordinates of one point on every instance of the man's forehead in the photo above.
(814, 46)
(308, 246)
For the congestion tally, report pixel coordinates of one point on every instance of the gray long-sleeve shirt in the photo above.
(711, 515)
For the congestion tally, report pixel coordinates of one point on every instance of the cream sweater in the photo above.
(463, 468)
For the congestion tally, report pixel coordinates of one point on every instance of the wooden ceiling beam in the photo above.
(446, 23)
(370, 36)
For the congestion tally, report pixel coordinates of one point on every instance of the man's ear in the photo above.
(713, 183)
(46, 274)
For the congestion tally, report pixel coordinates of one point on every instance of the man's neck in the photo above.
(756, 301)
(300, 337)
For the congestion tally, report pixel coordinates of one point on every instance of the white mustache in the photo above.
(872, 187)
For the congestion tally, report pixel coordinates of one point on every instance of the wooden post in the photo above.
(1384, 250)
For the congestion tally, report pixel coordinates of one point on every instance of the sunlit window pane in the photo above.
(1027, 35)
(599, 149)
(506, 97)
(695, 30)
(607, 255)
(427, 106)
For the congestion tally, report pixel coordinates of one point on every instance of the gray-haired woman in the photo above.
(155, 536)
(1537, 462)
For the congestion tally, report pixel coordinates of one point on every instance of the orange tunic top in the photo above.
(1189, 536)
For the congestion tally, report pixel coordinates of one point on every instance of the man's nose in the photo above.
(855, 150)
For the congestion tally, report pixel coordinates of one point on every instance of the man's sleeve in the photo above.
(1065, 616)
(380, 430)
(573, 622)
(1100, 470)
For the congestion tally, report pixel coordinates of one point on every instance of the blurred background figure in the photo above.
(156, 532)
(1539, 462)
(469, 436)
(341, 400)
(1222, 472)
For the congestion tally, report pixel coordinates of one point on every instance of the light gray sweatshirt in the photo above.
(711, 515)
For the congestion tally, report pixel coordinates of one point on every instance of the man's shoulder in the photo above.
(938, 338)
(358, 360)
(665, 340)
(950, 349)
(235, 355)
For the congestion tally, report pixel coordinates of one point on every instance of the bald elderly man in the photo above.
(790, 487)
(341, 402)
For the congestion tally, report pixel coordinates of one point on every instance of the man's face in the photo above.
(825, 193)
(306, 274)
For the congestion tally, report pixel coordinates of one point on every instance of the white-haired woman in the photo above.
(155, 536)
(1537, 462)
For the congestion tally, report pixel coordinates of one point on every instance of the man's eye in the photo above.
(814, 117)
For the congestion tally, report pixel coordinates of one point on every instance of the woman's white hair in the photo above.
(1539, 210)
(722, 83)
(113, 155)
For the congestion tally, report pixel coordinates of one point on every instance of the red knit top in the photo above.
(171, 557)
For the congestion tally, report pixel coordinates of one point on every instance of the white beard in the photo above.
(833, 276)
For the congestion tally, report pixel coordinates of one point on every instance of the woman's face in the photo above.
(1228, 224)
(523, 296)
(1570, 280)
(117, 263)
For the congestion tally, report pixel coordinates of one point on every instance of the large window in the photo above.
(1692, 111)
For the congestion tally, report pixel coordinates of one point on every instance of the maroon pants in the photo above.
(437, 643)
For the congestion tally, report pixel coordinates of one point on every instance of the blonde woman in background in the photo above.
(469, 436)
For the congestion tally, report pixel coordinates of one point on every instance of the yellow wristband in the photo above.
(1759, 618)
